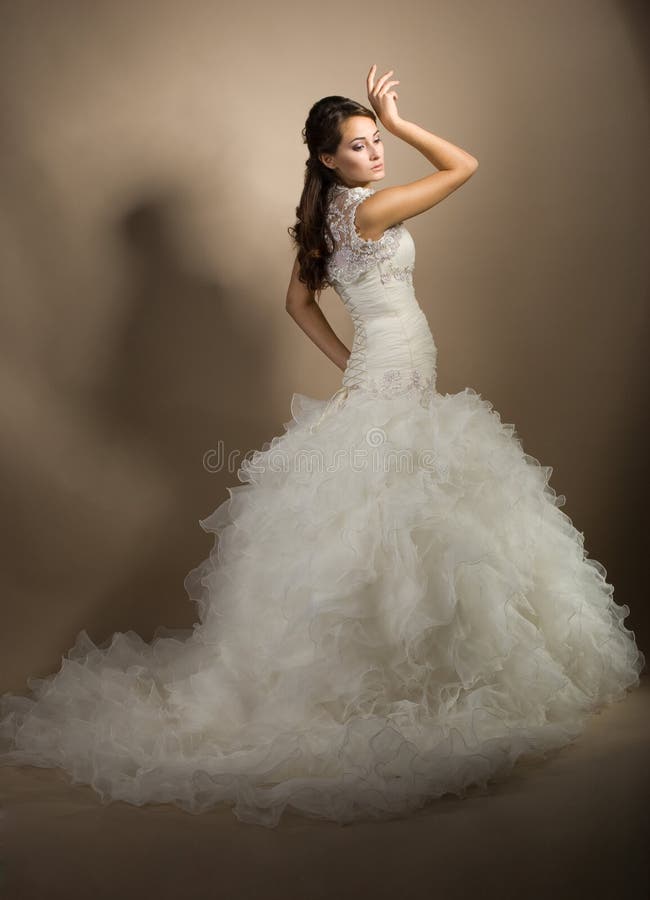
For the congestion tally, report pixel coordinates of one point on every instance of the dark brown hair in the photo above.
(322, 134)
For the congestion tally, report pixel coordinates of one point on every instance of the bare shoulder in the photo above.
(391, 205)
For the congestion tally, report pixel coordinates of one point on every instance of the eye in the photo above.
(360, 146)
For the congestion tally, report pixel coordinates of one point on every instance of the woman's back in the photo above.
(393, 348)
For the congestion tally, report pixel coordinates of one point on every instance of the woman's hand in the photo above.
(383, 100)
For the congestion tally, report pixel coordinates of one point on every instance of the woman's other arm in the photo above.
(305, 311)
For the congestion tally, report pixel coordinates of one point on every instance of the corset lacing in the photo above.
(356, 366)
(354, 371)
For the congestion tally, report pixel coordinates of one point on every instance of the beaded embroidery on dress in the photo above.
(395, 606)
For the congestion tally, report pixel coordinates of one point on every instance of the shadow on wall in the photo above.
(116, 503)
(179, 384)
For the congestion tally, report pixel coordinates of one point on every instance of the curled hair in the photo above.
(322, 134)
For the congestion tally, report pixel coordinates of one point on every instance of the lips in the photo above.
(380, 166)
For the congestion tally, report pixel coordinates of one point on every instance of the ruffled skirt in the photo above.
(395, 608)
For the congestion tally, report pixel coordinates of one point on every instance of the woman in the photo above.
(395, 607)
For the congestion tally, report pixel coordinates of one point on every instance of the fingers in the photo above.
(382, 84)
(387, 85)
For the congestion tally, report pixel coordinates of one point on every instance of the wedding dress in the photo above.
(395, 607)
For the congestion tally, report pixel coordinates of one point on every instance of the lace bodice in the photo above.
(351, 254)
(393, 352)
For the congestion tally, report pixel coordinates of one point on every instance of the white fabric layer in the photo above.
(370, 636)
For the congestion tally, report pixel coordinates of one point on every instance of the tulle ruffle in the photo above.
(395, 608)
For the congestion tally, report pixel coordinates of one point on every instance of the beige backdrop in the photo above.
(151, 164)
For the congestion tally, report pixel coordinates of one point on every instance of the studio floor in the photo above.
(573, 826)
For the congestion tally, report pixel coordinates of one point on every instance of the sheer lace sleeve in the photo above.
(353, 255)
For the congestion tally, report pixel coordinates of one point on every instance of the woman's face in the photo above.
(359, 158)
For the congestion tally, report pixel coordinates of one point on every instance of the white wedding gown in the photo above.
(395, 607)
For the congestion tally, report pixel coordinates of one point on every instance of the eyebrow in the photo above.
(361, 138)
